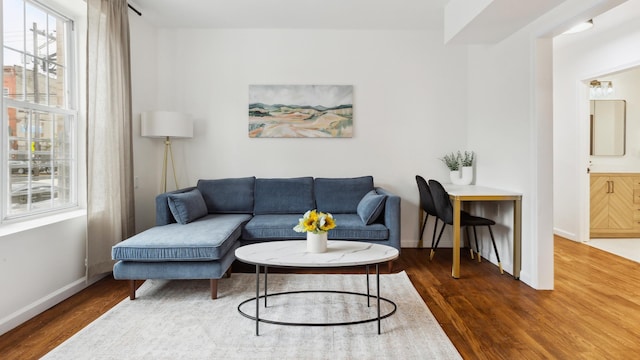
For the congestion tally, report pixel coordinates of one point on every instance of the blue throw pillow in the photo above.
(371, 206)
(187, 206)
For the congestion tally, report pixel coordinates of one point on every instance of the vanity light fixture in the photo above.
(599, 88)
(586, 25)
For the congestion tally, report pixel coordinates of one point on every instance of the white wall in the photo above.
(579, 58)
(504, 130)
(409, 105)
(144, 81)
(41, 267)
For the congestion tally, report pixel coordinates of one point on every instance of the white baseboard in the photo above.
(565, 234)
(20, 316)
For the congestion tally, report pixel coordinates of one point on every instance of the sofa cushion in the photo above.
(351, 227)
(187, 206)
(135, 270)
(208, 238)
(280, 227)
(341, 195)
(229, 196)
(284, 196)
(371, 206)
(272, 227)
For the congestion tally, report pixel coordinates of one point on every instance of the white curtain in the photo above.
(110, 206)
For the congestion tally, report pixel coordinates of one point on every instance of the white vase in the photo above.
(316, 243)
(454, 176)
(463, 176)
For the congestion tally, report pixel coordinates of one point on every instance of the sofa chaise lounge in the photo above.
(198, 228)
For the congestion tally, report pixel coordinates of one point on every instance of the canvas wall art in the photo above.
(295, 111)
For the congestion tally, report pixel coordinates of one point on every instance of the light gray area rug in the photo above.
(178, 320)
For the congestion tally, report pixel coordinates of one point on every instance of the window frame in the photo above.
(68, 109)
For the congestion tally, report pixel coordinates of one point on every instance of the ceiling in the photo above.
(500, 16)
(294, 14)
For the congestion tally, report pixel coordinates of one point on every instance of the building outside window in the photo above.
(39, 111)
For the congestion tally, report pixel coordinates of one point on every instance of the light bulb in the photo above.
(599, 91)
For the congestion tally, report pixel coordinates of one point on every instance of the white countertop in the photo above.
(470, 190)
(294, 253)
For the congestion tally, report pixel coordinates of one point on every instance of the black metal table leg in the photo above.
(257, 299)
(376, 317)
(378, 293)
(266, 270)
(368, 298)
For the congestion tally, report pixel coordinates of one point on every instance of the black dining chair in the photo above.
(445, 213)
(427, 205)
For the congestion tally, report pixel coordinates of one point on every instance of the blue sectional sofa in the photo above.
(198, 228)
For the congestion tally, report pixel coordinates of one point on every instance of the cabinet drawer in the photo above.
(636, 183)
(636, 196)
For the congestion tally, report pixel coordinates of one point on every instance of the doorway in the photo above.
(604, 53)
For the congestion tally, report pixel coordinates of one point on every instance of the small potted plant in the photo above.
(316, 224)
(467, 158)
(460, 167)
(452, 161)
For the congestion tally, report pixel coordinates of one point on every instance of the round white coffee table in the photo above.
(292, 253)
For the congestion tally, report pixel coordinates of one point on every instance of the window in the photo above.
(38, 111)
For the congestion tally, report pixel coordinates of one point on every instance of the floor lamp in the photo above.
(167, 125)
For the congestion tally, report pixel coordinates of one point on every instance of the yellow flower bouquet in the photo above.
(315, 222)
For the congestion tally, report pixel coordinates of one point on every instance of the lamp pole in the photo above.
(168, 150)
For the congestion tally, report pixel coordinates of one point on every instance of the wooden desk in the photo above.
(462, 193)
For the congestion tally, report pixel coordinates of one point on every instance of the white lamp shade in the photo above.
(166, 123)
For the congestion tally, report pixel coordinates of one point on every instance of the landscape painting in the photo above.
(294, 111)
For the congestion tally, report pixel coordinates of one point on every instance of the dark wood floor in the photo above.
(593, 313)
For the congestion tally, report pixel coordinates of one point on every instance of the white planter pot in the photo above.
(463, 176)
(317, 243)
(454, 176)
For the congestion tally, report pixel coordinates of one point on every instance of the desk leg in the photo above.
(455, 271)
(517, 238)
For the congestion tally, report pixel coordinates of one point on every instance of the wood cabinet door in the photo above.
(599, 212)
(621, 203)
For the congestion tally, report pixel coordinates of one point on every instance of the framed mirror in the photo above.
(608, 127)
